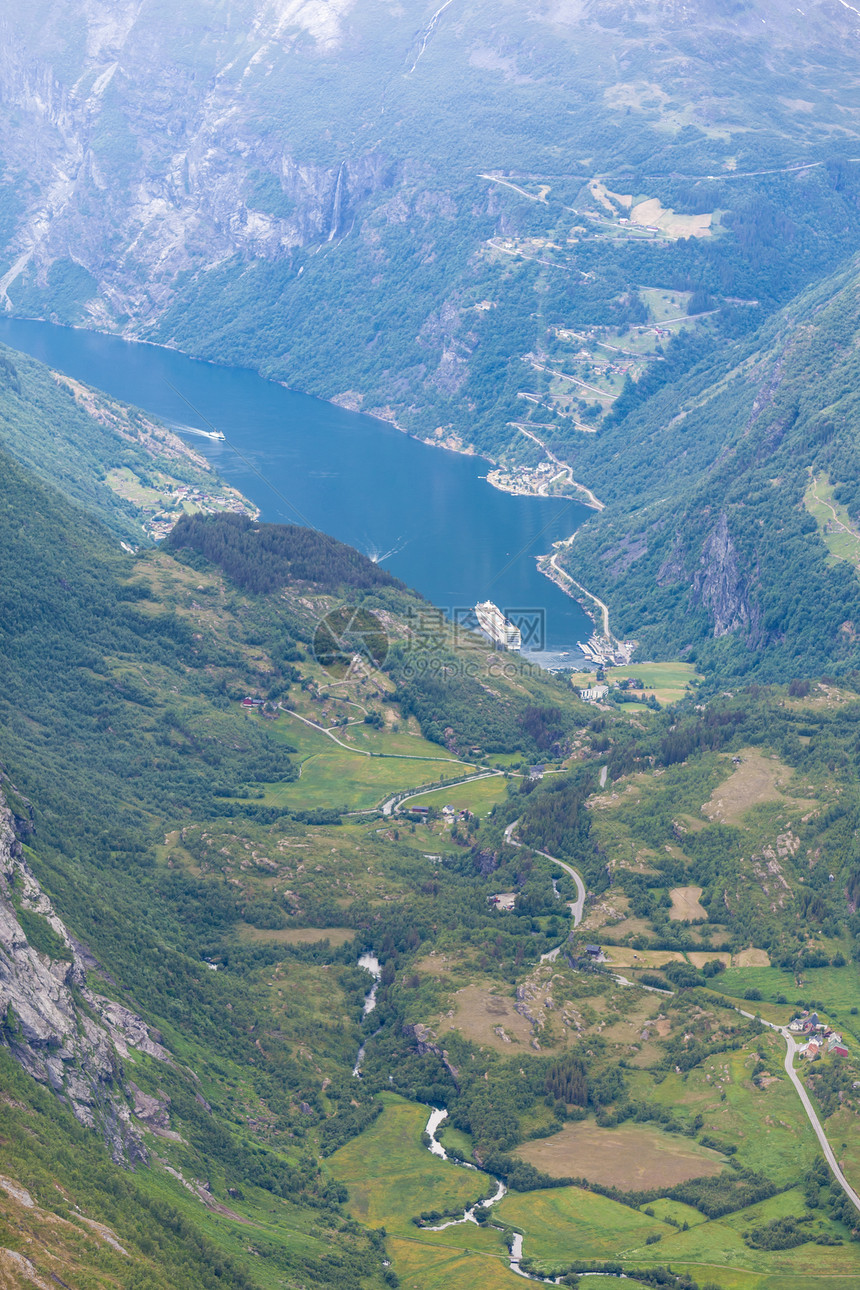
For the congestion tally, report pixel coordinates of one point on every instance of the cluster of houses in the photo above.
(523, 481)
(820, 1038)
(594, 693)
(266, 709)
(187, 498)
(589, 956)
(449, 813)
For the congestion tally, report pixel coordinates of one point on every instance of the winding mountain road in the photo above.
(592, 501)
(791, 1049)
(577, 907)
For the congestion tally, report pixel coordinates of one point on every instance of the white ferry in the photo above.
(500, 630)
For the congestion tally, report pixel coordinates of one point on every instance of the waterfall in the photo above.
(336, 204)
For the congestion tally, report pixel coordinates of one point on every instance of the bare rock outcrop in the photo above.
(719, 583)
(61, 1032)
(425, 1043)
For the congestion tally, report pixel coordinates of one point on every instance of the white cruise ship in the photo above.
(499, 629)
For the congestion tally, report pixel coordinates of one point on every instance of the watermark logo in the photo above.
(449, 643)
(469, 635)
(347, 637)
(437, 642)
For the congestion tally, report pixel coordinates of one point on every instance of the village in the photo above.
(820, 1039)
(193, 500)
(161, 498)
(545, 480)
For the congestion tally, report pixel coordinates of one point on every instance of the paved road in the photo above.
(576, 906)
(604, 611)
(393, 804)
(324, 731)
(791, 1049)
(562, 465)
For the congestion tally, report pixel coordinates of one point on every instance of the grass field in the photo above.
(631, 1157)
(838, 987)
(674, 1209)
(668, 682)
(652, 213)
(663, 304)
(624, 956)
(451, 1267)
(569, 1223)
(479, 797)
(488, 1018)
(685, 904)
(765, 1124)
(332, 776)
(296, 935)
(456, 1140)
(342, 779)
(758, 780)
(365, 739)
(834, 523)
(719, 1244)
(699, 958)
(391, 1177)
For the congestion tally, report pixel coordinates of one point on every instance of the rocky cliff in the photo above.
(58, 1028)
(206, 152)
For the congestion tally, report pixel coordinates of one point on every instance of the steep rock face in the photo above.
(313, 188)
(720, 587)
(425, 1043)
(718, 584)
(62, 1032)
(141, 169)
(147, 144)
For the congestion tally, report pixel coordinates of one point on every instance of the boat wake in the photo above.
(378, 556)
(195, 430)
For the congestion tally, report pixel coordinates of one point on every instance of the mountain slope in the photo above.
(397, 210)
(143, 978)
(720, 543)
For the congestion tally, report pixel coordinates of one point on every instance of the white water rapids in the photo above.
(469, 1215)
(370, 963)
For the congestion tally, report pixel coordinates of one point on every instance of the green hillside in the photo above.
(195, 852)
(460, 219)
(731, 551)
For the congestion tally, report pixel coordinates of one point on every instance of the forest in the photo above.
(265, 557)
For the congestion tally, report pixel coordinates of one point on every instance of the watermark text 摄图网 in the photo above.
(436, 642)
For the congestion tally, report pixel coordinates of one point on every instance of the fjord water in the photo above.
(424, 513)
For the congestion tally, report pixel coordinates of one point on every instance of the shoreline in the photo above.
(545, 563)
(338, 401)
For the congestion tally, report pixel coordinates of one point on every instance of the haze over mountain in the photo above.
(459, 219)
(304, 187)
(309, 896)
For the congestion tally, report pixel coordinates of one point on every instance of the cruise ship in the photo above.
(499, 629)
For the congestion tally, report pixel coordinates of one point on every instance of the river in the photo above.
(426, 514)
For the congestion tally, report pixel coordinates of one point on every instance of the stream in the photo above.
(370, 963)
(516, 1250)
